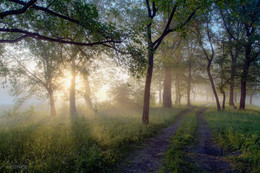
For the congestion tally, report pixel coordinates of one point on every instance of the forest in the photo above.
(130, 86)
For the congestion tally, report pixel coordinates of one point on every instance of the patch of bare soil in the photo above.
(205, 156)
(149, 157)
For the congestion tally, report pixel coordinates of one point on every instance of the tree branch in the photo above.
(41, 37)
(225, 25)
(149, 8)
(166, 29)
(26, 6)
(166, 32)
(48, 11)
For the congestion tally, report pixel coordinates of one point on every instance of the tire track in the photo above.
(205, 156)
(149, 157)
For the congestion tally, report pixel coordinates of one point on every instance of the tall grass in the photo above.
(238, 133)
(31, 141)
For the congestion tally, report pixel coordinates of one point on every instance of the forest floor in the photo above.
(149, 157)
(204, 156)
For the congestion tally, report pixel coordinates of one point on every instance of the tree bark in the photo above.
(232, 81)
(224, 100)
(167, 85)
(73, 111)
(52, 103)
(177, 90)
(244, 79)
(213, 88)
(189, 86)
(145, 117)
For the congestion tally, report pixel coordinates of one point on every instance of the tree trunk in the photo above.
(52, 103)
(145, 117)
(194, 95)
(224, 100)
(251, 99)
(87, 98)
(235, 97)
(244, 79)
(73, 111)
(160, 95)
(177, 90)
(232, 82)
(213, 88)
(207, 95)
(167, 97)
(189, 86)
(148, 80)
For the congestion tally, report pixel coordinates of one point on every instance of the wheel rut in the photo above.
(205, 156)
(149, 157)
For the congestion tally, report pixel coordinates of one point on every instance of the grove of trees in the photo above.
(168, 47)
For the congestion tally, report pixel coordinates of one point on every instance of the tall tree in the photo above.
(153, 8)
(246, 14)
(204, 33)
(192, 62)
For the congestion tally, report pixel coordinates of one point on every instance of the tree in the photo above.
(192, 62)
(223, 71)
(247, 15)
(204, 33)
(153, 8)
(52, 19)
(45, 56)
(168, 49)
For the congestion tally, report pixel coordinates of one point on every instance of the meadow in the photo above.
(31, 141)
(238, 134)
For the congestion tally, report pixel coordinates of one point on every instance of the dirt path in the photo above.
(204, 155)
(149, 157)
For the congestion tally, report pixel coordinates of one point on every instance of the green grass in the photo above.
(176, 156)
(31, 141)
(238, 134)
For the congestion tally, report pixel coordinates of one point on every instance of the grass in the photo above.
(30, 141)
(238, 134)
(176, 156)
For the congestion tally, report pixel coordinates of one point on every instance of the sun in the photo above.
(67, 82)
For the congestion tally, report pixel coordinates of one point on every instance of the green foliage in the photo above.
(176, 156)
(238, 133)
(30, 141)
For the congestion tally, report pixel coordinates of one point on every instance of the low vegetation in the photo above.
(176, 156)
(29, 141)
(238, 134)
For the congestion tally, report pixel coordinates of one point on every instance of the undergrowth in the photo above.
(31, 141)
(238, 134)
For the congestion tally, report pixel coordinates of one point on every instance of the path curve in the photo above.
(149, 157)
